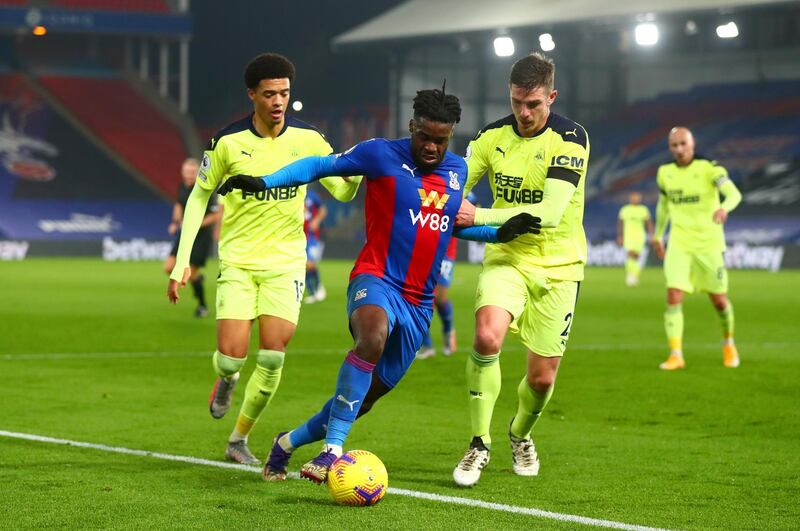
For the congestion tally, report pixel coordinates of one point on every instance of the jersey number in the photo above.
(568, 319)
(433, 221)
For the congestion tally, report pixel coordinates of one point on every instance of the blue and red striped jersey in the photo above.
(410, 215)
(312, 206)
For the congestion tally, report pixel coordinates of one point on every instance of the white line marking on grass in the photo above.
(596, 522)
(29, 356)
(133, 355)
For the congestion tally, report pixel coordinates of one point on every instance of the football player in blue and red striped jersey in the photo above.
(315, 214)
(442, 302)
(414, 191)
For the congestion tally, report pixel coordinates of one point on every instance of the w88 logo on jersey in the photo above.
(432, 220)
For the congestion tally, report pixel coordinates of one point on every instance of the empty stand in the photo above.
(151, 6)
(126, 123)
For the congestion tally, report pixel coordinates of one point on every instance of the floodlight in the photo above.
(646, 34)
(546, 42)
(297, 105)
(728, 31)
(503, 46)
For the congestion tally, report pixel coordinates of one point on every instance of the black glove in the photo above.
(242, 182)
(517, 226)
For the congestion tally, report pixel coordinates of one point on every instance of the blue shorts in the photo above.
(446, 273)
(314, 248)
(407, 324)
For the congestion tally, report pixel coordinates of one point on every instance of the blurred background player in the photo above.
(205, 236)
(631, 235)
(689, 200)
(315, 214)
(536, 162)
(414, 190)
(262, 246)
(442, 303)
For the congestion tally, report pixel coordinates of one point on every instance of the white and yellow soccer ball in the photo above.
(358, 478)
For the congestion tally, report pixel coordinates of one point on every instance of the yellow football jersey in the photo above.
(692, 196)
(262, 230)
(633, 219)
(517, 168)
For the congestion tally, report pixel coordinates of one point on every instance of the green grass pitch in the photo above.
(91, 351)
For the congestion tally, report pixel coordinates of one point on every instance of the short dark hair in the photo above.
(535, 70)
(267, 66)
(435, 105)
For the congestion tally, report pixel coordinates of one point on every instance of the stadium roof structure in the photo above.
(425, 18)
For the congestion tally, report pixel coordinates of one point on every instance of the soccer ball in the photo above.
(358, 478)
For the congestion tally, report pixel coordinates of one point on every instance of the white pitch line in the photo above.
(32, 356)
(596, 522)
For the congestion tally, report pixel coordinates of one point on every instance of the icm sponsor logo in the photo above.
(743, 256)
(80, 223)
(13, 250)
(134, 250)
(567, 162)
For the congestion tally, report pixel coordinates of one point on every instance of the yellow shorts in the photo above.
(634, 244)
(690, 271)
(246, 294)
(542, 308)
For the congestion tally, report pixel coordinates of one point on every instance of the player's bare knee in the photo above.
(232, 350)
(541, 383)
(233, 347)
(273, 344)
(369, 347)
(674, 296)
(487, 342)
(720, 301)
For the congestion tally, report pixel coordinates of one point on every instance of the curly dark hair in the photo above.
(435, 105)
(267, 66)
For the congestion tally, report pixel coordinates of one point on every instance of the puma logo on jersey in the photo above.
(574, 133)
(409, 170)
(246, 153)
(341, 398)
(496, 148)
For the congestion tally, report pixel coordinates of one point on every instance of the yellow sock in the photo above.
(242, 429)
(261, 387)
(673, 325)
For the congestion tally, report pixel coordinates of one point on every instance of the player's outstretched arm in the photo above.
(342, 189)
(297, 173)
(192, 219)
(518, 225)
(559, 187)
